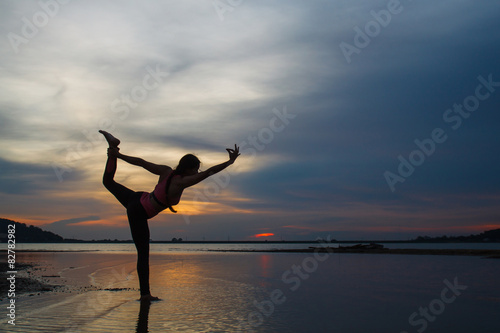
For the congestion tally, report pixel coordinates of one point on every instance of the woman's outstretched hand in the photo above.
(233, 153)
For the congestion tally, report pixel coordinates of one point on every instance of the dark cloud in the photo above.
(225, 78)
(25, 178)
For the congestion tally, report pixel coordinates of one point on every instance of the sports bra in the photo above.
(157, 200)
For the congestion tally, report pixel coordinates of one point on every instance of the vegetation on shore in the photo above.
(31, 234)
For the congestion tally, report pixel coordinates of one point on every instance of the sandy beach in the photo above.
(259, 292)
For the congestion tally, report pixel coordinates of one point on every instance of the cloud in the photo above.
(324, 171)
(17, 178)
(73, 227)
(71, 221)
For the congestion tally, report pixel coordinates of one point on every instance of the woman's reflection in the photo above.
(142, 321)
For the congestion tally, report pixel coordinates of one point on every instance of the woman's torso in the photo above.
(173, 191)
(158, 200)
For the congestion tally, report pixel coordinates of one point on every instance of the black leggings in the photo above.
(137, 219)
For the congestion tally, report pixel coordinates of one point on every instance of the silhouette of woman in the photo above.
(142, 206)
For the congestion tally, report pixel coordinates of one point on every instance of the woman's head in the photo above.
(188, 165)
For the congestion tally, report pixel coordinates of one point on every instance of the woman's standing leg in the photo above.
(140, 234)
(137, 219)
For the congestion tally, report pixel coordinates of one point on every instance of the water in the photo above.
(188, 247)
(265, 292)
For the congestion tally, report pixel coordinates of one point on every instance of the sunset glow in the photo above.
(163, 96)
(263, 235)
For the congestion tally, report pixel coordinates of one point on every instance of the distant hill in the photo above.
(31, 234)
(28, 234)
(487, 236)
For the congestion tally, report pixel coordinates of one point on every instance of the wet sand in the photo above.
(263, 292)
(24, 284)
(98, 292)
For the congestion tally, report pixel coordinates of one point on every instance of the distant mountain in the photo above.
(487, 236)
(27, 234)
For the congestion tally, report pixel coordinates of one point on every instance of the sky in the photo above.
(357, 119)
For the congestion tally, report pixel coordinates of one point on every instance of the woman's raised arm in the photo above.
(188, 181)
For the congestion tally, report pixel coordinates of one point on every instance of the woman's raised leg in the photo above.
(121, 192)
(112, 141)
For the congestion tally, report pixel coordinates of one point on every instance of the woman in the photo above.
(142, 206)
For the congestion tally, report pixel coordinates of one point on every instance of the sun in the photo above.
(263, 235)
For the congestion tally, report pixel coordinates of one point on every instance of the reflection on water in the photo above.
(220, 292)
(188, 247)
(142, 321)
(57, 312)
(190, 302)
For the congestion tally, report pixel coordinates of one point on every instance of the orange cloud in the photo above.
(263, 235)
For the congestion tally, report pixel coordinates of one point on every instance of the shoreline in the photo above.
(351, 249)
(31, 284)
(267, 242)
(490, 254)
(33, 278)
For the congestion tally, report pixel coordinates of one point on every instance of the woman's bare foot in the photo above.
(112, 141)
(149, 298)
